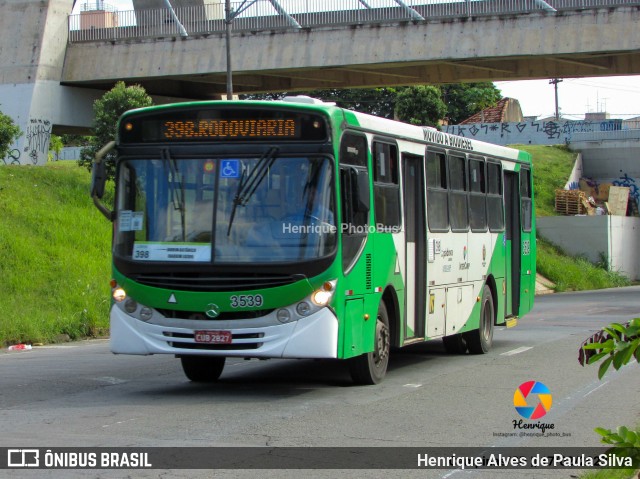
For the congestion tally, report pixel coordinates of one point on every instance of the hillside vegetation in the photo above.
(552, 166)
(54, 255)
(55, 250)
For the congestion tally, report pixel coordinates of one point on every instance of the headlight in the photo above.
(303, 308)
(283, 315)
(130, 306)
(322, 296)
(118, 294)
(309, 305)
(146, 313)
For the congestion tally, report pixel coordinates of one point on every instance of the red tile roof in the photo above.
(494, 114)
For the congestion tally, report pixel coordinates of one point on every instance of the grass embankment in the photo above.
(552, 167)
(54, 255)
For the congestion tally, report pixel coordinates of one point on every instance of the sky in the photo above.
(618, 96)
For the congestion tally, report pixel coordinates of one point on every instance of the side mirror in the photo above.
(99, 179)
(362, 201)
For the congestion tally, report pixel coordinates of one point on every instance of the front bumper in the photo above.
(314, 336)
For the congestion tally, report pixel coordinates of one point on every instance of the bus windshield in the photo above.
(263, 209)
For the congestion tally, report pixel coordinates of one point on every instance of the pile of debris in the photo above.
(596, 199)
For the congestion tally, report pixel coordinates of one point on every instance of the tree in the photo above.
(375, 101)
(75, 140)
(55, 147)
(616, 345)
(9, 133)
(420, 105)
(108, 110)
(466, 99)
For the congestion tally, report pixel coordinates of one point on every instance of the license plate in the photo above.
(212, 337)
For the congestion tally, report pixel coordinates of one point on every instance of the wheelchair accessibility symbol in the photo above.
(230, 169)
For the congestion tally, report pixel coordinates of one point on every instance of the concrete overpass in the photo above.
(51, 69)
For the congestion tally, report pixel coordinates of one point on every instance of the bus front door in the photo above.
(513, 239)
(415, 246)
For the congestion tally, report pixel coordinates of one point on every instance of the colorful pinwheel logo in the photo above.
(532, 400)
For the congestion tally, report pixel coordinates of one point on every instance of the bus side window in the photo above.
(458, 209)
(437, 197)
(477, 197)
(385, 188)
(525, 193)
(495, 204)
(355, 218)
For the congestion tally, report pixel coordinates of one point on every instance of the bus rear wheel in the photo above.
(370, 368)
(202, 369)
(481, 339)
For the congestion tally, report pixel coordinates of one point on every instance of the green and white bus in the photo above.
(298, 229)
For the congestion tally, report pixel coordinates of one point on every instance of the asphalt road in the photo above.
(79, 394)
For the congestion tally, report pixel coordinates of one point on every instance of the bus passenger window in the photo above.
(525, 194)
(458, 210)
(477, 198)
(386, 189)
(495, 204)
(437, 198)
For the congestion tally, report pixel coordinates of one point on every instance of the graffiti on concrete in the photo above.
(13, 157)
(560, 131)
(37, 136)
(626, 180)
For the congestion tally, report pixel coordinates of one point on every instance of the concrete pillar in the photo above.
(33, 40)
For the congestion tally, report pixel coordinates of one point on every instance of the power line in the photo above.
(577, 81)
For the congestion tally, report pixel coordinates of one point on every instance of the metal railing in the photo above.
(606, 135)
(261, 15)
(97, 5)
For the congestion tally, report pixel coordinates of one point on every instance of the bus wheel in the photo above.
(370, 368)
(455, 344)
(202, 369)
(480, 340)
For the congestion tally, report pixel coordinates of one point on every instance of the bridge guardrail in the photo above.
(104, 25)
(605, 135)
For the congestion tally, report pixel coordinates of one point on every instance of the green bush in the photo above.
(574, 274)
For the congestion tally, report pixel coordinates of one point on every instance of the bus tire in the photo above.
(481, 339)
(370, 368)
(455, 344)
(202, 369)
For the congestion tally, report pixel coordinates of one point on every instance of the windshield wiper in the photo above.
(176, 198)
(249, 184)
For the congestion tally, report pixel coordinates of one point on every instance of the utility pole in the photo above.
(555, 82)
(229, 17)
(227, 21)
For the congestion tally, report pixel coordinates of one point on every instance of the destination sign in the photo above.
(215, 129)
(191, 124)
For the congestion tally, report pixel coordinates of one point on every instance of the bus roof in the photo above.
(362, 121)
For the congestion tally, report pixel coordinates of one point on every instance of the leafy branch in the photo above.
(623, 437)
(616, 345)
